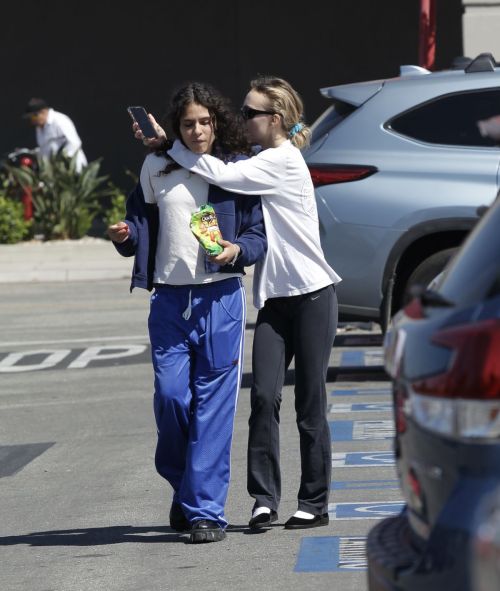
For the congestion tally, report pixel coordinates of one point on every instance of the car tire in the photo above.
(426, 271)
(390, 550)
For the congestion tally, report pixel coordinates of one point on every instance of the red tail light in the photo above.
(474, 372)
(331, 174)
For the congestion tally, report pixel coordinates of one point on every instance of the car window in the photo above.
(452, 119)
(336, 113)
(474, 275)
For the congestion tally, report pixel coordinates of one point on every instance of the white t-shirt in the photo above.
(180, 260)
(294, 263)
(59, 131)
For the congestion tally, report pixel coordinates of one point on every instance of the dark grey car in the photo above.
(442, 352)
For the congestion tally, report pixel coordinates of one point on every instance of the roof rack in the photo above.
(484, 62)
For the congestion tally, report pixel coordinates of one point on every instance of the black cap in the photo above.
(34, 105)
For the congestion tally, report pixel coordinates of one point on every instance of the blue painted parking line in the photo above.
(344, 407)
(362, 459)
(331, 554)
(365, 485)
(341, 430)
(364, 358)
(362, 392)
(352, 358)
(361, 430)
(373, 510)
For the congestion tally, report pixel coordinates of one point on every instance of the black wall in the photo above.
(92, 59)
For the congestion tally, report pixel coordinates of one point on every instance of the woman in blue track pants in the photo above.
(197, 314)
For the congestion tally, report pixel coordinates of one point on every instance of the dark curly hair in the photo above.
(230, 138)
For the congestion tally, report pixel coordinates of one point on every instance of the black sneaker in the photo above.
(204, 531)
(178, 520)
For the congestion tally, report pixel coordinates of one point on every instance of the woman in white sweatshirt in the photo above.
(294, 290)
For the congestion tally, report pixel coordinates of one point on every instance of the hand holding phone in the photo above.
(140, 116)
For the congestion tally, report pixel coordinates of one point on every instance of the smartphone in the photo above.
(140, 116)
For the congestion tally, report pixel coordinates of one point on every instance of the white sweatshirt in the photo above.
(294, 263)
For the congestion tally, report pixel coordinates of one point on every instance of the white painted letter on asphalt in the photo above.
(96, 354)
(53, 357)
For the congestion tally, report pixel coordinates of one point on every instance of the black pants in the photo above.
(303, 327)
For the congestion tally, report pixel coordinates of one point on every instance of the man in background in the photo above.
(54, 131)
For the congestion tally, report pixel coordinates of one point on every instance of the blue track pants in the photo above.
(197, 334)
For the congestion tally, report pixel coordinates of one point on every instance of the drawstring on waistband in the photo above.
(187, 312)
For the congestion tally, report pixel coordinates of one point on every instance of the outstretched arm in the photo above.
(124, 234)
(258, 175)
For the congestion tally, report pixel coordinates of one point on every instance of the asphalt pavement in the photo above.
(82, 506)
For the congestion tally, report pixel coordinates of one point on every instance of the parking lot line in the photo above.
(361, 430)
(362, 358)
(345, 407)
(361, 392)
(364, 484)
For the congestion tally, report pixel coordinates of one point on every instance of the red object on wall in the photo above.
(427, 34)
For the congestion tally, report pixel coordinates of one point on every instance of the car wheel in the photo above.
(427, 271)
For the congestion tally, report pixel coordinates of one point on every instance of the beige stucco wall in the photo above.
(481, 27)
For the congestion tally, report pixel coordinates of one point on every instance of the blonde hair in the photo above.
(285, 101)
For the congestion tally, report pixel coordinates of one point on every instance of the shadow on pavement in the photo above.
(104, 536)
(96, 536)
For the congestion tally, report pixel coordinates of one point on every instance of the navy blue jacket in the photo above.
(240, 221)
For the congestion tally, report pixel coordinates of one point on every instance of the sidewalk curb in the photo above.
(87, 259)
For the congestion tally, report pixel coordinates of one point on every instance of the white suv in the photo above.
(400, 167)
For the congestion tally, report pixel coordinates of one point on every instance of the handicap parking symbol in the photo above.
(362, 459)
(373, 510)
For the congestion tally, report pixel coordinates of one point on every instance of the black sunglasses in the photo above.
(249, 113)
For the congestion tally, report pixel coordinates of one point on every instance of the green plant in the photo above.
(65, 200)
(13, 226)
(116, 210)
(117, 204)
